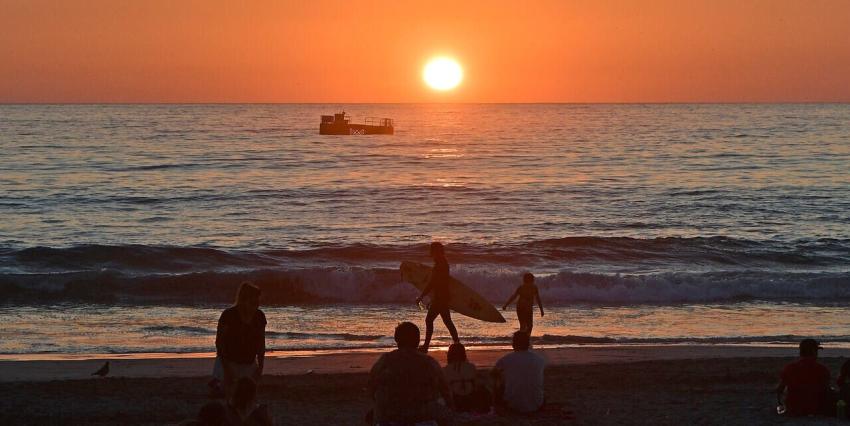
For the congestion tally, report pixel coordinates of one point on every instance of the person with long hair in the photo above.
(461, 376)
(526, 293)
(439, 285)
(240, 339)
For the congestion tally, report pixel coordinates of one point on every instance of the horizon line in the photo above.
(442, 103)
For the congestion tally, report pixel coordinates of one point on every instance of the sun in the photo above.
(442, 73)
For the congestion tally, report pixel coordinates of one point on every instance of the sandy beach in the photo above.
(600, 385)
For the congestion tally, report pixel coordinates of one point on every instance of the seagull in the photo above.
(103, 370)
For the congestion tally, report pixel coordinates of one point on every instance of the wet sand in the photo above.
(610, 385)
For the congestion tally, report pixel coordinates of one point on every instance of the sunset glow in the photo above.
(442, 74)
(316, 212)
(284, 51)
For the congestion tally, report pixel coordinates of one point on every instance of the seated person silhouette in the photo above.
(242, 407)
(519, 378)
(807, 383)
(843, 382)
(406, 384)
(211, 414)
(467, 392)
(240, 339)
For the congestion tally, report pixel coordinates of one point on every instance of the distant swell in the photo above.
(570, 270)
(697, 251)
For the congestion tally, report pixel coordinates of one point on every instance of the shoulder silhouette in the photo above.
(103, 371)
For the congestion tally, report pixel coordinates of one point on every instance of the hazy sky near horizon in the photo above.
(374, 51)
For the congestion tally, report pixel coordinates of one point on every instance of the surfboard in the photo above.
(464, 300)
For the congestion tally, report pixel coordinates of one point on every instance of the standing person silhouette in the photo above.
(240, 340)
(527, 292)
(439, 284)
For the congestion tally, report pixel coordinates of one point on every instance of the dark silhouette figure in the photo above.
(240, 340)
(843, 382)
(242, 408)
(526, 293)
(103, 371)
(406, 384)
(468, 394)
(807, 383)
(518, 378)
(439, 285)
(210, 414)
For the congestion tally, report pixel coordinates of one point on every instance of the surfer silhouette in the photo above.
(527, 292)
(439, 285)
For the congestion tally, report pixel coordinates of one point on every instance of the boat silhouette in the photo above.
(340, 124)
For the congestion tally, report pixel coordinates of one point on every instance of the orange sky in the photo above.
(351, 51)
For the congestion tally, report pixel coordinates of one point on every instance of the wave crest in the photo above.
(382, 285)
(562, 252)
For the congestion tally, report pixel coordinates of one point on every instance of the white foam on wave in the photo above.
(668, 287)
(363, 285)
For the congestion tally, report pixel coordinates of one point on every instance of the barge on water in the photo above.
(340, 124)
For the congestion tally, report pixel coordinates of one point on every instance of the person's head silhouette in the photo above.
(528, 278)
(248, 296)
(407, 335)
(809, 348)
(521, 341)
(456, 353)
(437, 249)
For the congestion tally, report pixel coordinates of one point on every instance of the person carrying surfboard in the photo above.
(527, 292)
(439, 284)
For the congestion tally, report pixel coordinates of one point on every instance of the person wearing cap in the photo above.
(807, 382)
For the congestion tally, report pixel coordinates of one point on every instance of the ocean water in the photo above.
(126, 228)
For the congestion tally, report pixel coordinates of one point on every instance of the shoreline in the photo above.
(313, 352)
(619, 387)
(285, 363)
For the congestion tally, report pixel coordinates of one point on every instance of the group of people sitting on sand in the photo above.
(240, 408)
(805, 390)
(408, 387)
(406, 384)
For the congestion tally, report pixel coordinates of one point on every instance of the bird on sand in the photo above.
(103, 370)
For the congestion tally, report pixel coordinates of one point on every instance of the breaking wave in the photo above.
(696, 251)
(570, 270)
